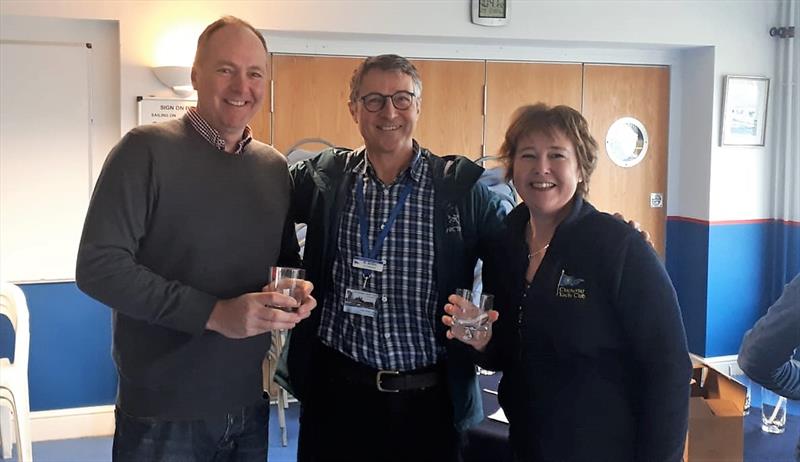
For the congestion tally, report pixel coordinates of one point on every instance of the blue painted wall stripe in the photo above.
(727, 274)
(687, 265)
(70, 361)
(739, 268)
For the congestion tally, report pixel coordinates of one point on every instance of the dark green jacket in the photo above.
(467, 216)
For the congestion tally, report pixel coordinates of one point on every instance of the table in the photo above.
(760, 446)
(488, 441)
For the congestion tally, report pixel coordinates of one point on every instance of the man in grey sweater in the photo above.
(185, 220)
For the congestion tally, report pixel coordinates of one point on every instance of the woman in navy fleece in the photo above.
(588, 333)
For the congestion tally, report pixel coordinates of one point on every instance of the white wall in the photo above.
(105, 74)
(60, 111)
(733, 34)
(691, 133)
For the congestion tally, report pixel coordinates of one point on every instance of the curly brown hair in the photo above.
(541, 118)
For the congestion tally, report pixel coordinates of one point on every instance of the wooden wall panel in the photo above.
(511, 85)
(451, 120)
(311, 94)
(262, 122)
(611, 92)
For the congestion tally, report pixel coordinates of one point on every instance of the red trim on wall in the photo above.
(742, 222)
(688, 220)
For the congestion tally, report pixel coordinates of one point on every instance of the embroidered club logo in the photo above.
(570, 287)
(453, 220)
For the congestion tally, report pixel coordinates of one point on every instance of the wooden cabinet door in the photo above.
(511, 85)
(451, 120)
(612, 92)
(310, 100)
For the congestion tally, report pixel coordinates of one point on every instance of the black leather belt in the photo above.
(341, 367)
(395, 381)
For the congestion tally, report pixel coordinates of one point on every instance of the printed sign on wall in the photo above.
(154, 110)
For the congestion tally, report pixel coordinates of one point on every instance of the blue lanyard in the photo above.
(362, 217)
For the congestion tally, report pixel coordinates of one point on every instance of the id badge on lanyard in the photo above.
(358, 300)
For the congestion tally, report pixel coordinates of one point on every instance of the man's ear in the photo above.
(194, 78)
(352, 107)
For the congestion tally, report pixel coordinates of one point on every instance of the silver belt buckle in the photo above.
(378, 381)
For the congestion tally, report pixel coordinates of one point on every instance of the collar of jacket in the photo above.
(518, 218)
(456, 174)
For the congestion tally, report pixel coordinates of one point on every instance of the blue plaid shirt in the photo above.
(401, 335)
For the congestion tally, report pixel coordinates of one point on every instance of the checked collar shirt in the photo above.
(212, 136)
(401, 336)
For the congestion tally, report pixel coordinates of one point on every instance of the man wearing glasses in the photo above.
(392, 230)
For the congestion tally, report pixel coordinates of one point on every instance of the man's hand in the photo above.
(635, 225)
(254, 313)
(302, 291)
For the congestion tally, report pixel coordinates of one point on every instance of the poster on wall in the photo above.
(744, 110)
(153, 110)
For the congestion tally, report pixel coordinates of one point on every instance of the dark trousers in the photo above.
(239, 436)
(344, 422)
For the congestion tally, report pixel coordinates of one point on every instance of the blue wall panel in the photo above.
(70, 354)
(784, 244)
(687, 265)
(738, 283)
(6, 338)
(727, 275)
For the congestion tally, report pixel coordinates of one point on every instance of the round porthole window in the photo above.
(626, 142)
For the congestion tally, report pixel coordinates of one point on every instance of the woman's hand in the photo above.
(468, 323)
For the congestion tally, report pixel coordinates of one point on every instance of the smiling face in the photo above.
(230, 78)
(546, 173)
(389, 130)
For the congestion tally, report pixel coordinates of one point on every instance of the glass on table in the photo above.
(472, 322)
(773, 412)
(287, 281)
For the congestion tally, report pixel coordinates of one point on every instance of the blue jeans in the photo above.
(240, 437)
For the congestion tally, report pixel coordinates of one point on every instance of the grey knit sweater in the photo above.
(174, 225)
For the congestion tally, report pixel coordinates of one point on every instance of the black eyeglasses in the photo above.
(401, 100)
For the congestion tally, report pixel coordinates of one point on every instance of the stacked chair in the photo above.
(14, 399)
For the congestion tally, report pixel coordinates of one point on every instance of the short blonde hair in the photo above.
(219, 24)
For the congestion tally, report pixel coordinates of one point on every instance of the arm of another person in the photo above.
(491, 213)
(303, 189)
(767, 348)
(290, 249)
(107, 269)
(651, 319)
